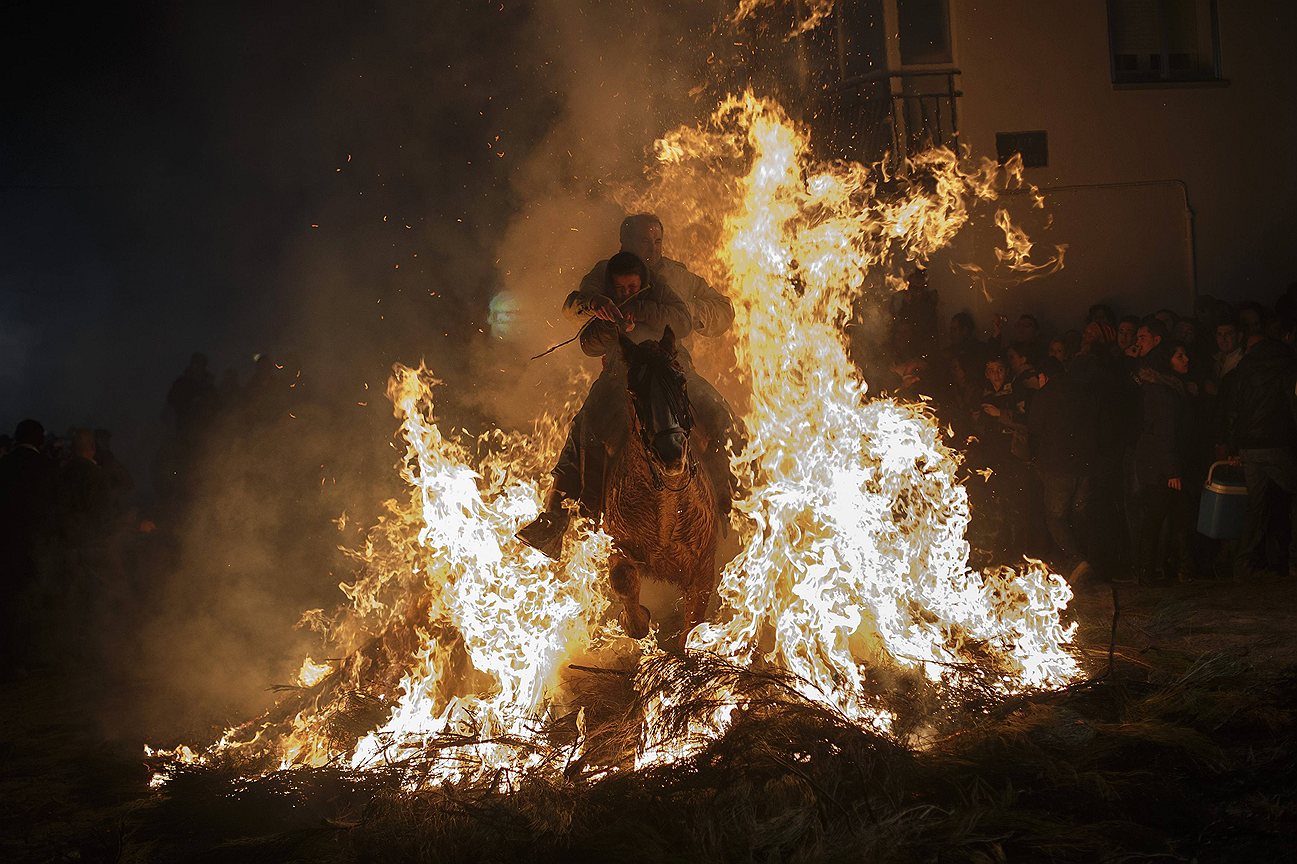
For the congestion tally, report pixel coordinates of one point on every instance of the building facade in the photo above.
(1160, 131)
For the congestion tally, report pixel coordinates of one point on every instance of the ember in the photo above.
(853, 568)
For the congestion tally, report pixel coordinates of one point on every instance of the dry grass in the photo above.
(1189, 761)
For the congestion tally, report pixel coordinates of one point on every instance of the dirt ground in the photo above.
(71, 733)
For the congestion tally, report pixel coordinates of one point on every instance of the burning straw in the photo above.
(851, 600)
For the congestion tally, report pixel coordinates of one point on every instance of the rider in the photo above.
(627, 301)
(711, 311)
(707, 311)
(712, 314)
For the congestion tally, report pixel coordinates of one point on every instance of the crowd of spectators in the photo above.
(1086, 448)
(74, 521)
(1089, 448)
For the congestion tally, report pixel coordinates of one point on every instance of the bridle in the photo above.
(660, 484)
(678, 406)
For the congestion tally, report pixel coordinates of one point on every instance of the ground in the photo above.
(1199, 711)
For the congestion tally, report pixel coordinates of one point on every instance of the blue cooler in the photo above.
(1223, 510)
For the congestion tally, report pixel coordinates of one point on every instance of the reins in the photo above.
(659, 484)
(588, 322)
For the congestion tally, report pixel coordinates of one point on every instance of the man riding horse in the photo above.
(625, 295)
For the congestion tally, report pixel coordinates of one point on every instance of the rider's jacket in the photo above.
(653, 309)
(710, 311)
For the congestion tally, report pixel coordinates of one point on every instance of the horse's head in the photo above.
(660, 406)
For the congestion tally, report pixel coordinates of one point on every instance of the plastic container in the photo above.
(1223, 510)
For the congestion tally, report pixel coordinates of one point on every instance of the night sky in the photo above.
(164, 167)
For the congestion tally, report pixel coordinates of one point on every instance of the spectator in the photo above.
(916, 315)
(1064, 441)
(119, 479)
(1228, 352)
(27, 489)
(997, 428)
(192, 399)
(1160, 463)
(1058, 351)
(1101, 313)
(84, 497)
(960, 399)
(1251, 321)
(1027, 332)
(1023, 375)
(1151, 334)
(964, 344)
(1126, 332)
(1260, 430)
(1071, 343)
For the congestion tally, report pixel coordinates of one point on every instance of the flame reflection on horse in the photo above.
(660, 507)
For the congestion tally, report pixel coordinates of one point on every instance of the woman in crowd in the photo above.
(1161, 460)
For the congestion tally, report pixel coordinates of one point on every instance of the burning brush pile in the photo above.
(464, 664)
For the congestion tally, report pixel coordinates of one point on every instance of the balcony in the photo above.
(900, 113)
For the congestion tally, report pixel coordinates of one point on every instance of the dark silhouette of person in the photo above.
(1261, 432)
(964, 344)
(119, 478)
(27, 532)
(84, 496)
(1064, 439)
(192, 399)
(27, 490)
(1162, 456)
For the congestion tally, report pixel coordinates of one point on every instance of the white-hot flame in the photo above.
(853, 564)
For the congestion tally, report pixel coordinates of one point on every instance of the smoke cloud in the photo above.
(336, 190)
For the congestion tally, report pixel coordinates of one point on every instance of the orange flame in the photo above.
(853, 558)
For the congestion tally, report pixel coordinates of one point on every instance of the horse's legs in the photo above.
(625, 577)
(697, 596)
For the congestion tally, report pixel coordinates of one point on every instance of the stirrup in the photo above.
(545, 532)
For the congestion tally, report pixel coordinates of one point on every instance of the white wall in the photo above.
(1044, 64)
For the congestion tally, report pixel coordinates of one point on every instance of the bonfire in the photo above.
(461, 656)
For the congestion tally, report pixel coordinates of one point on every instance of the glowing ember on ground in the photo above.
(853, 567)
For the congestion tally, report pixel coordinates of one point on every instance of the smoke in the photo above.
(351, 191)
(627, 74)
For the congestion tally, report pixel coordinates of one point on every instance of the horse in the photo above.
(659, 505)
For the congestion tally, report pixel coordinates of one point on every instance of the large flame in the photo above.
(853, 564)
(859, 521)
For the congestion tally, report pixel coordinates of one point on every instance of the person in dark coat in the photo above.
(1260, 430)
(85, 497)
(28, 483)
(1161, 461)
(1063, 434)
(27, 497)
(192, 398)
(964, 344)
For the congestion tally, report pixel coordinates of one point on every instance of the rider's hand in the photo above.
(603, 308)
(1173, 483)
(628, 321)
(990, 409)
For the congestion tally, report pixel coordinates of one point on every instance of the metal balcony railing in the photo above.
(897, 112)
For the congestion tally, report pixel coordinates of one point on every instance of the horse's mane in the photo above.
(648, 361)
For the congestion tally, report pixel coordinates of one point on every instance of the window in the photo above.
(924, 30)
(1163, 41)
(1034, 147)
